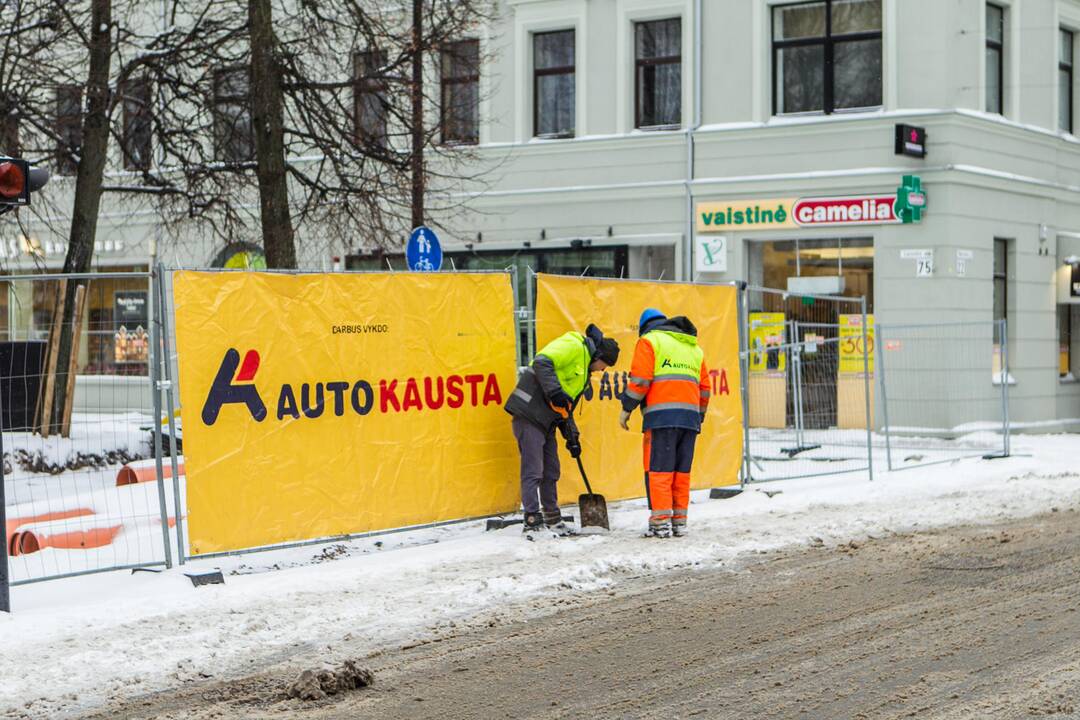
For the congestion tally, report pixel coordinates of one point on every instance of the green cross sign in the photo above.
(910, 200)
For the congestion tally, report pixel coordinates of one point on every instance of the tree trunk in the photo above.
(417, 96)
(88, 181)
(267, 111)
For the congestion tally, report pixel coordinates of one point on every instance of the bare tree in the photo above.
(268, 110)
(356, 121)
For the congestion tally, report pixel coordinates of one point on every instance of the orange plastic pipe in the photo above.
(31, 541)
(12, 525)
(142, 471)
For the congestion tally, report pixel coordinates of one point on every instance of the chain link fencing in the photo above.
(76, 388)
(102, 485)
(808, 389)
(944, 392)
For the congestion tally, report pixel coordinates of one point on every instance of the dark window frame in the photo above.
(640, 63)
(1067, 68)
(999, 48)
(1065, 333)
(68, 126)
(448, 84)
(219, 99)
(136, 91)
(546, 72)
(829, 43)
(1001, 275)
(364, 84)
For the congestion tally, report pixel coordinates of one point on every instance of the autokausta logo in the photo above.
(227, 391)
(312, 399)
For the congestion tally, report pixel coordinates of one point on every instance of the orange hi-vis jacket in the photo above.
(668, 377)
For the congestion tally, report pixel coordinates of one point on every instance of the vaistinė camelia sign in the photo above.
(904, 206)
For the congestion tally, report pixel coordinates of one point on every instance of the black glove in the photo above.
(561, 399)
(573, 446)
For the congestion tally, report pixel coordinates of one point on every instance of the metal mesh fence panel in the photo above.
(80, 482)
(806, 385)
(172, 427)
(944, 392)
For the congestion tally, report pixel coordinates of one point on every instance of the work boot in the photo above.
(678, 529)
(561, 529)
(553, 520)
(532, 523)
(659, 530)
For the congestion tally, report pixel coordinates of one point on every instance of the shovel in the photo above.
(592, 507)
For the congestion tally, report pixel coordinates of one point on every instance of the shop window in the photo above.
(234, 139)
(460, 71)
(827, 56)
(773, 262)
(68, 128)
(371, 105)
(995, 59)
(135, 136)
(554, 88)
(658, 73)
(1065, 81)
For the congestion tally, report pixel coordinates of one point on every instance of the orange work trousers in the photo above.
(669, 455)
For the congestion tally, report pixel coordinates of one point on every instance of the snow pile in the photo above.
(106, 636)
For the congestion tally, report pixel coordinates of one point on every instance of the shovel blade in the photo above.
(593, 511)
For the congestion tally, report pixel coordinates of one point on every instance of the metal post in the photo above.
(5, 579)
(155, 391)
(866, 391)
(1005, 383)
(530, 284)
(796, 357)
(518, 317)
(879, 368)
(744, 376)
(163, 320)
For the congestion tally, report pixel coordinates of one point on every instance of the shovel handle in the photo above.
(584, 477)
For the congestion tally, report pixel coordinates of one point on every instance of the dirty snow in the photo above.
(100, 637)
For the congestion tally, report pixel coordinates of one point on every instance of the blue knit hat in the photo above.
(647, 315)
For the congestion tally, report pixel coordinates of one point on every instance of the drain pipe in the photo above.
(688, 249)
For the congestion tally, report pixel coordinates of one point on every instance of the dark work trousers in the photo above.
(539, 467)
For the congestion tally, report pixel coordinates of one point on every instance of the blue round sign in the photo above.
(423, 253)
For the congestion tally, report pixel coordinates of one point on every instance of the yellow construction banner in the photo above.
(613, 457)
(328, 404)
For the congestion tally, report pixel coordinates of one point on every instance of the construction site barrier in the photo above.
(612, 456)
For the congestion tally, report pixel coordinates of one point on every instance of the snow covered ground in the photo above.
(98, 447)
(71, 644)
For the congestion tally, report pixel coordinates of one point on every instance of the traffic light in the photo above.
(18, 180)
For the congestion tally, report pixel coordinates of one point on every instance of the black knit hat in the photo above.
(608, 351)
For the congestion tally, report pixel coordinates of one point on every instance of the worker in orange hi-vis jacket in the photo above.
(669, 381)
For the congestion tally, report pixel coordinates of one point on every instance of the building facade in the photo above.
(758, 140)
(750, 140)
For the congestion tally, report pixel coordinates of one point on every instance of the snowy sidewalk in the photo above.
(73, 644)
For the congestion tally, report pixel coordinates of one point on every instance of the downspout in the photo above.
(688, 250)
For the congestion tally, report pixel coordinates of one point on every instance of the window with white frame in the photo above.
(554, 88)
(827, 56)
(1065, 81)
(658, 74)
(995, 59)
(234, 137)
(460, 90)
(371, 104)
